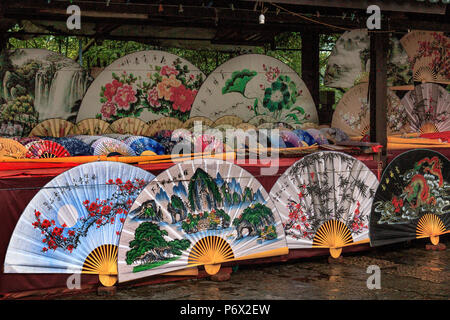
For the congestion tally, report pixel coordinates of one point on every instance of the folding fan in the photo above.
(89, 140)
(165, 123)
(200, 212)
(317, 135)
(46, 149)
(352, 113)
(259, 120)
(107, 146)
(91, 127)
(130, 125)
(209, 143)
(428, 53)
(25, 140)
(10, 148)
(230, 120)
(189, 123)
(275, 125)
(304, 136)
(140, 144)
(52, 128)
(413, 199)
(335, 134)
(427, 108)
(118, 136)
(246, 126)
(324, 201)
(74, 146)
(73, 224)
(291, 140)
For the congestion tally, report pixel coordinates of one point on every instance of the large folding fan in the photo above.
(204, 212)
(141, 144)
(52, 128)
(324, 201)
(427, 108)
(73, 224)
(91, 127)
(10, 148)
(413, 199)
(46, 149)
(109, 146)
(130, 125)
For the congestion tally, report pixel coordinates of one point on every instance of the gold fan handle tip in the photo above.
(212, 269)
(107, 280)
(434, 240)
(335, 252)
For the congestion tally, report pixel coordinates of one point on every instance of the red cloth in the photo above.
(444, 136)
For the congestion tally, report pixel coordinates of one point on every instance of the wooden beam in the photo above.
(310, 64)
(378, 90)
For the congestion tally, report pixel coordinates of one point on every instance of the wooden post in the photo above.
(378, 90)
(310, 64)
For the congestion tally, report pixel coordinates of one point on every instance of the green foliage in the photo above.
(238, 81)
(254, 215)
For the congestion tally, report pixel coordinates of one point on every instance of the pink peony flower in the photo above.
(152, 97)
(167, 71)
(111, 89)
(182, 98)
(108, 110)
(124, 96)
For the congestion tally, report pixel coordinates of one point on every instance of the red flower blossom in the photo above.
(182, 98)
(125, 95)
(111, 89)
(167, 71)
(108, 110)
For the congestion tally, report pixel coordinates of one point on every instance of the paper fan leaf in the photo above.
(414, 184)
(141, 144)
(203, 212)
(130, 125)
(74, 146)
(166, 123)
(428, 105)
(46, 149)
(188, 124)
(238, 81)
(228, 120)
(323, 187)
(109, 146)
(91, 127)
(52, 128)
(259, 120)
(72, 217)
(10, 148)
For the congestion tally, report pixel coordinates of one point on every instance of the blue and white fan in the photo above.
(140, 144)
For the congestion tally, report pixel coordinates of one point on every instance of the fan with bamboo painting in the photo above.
(427, 108)
(73, 224)
(413, 199)
(46, 149)
(324, 201)
(199, 213)
(428, 52)
(352, 114)
(52, 128)
(129, 125)
(12, 149)
(91, 127)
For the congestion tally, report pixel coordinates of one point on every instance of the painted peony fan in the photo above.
(109, 146)
(324, 201)
(46, 149)
(413, 199)
(73, 224)
(199, 213)
(427, 108)
(352, 114)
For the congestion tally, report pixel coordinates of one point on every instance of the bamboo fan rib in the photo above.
(102, 261)
(430, 225)
(209, 251)
(334, 235)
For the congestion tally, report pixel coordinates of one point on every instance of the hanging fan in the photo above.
(413, 199)
(165, 123)
(427, 108)
(46, 149)
(305, 136)
(10, 148)
(52, 128)
(74, 146)
(108, 146)
(195, 213)
(352, 114)
(91, 127)
(73, 224)
(189, 123)
(141, 144)
(130, 125)
(230, 120)
(324, 201)
(429, 54)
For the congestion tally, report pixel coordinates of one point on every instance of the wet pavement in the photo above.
(407, 271)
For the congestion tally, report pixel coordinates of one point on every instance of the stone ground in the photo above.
(408, 271)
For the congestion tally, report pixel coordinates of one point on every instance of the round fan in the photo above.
(352, 114)
(52, 128)
(46, 149)
(147, 84)
(165, 123)
(305, 136)
(413, 199)
(141, 144)
(230, 120)
(427, 108)
(73, 224)
(74, 146)
(252, 84)
(10, 148)
(130, 125)
(189, 123)
(106, 146)
(428, 54)
(203, 212)
(317, 135)
(91, 127)
(324, 201)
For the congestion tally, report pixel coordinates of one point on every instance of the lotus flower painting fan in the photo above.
(199, 213)
(324, 201)
(73, 224)
(413, 199)
(427, 108)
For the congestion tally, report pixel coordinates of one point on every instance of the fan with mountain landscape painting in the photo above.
(46, 149)
(198, 213)
(427, 108)
(413, 199)
(324, 201)
(73, 224)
